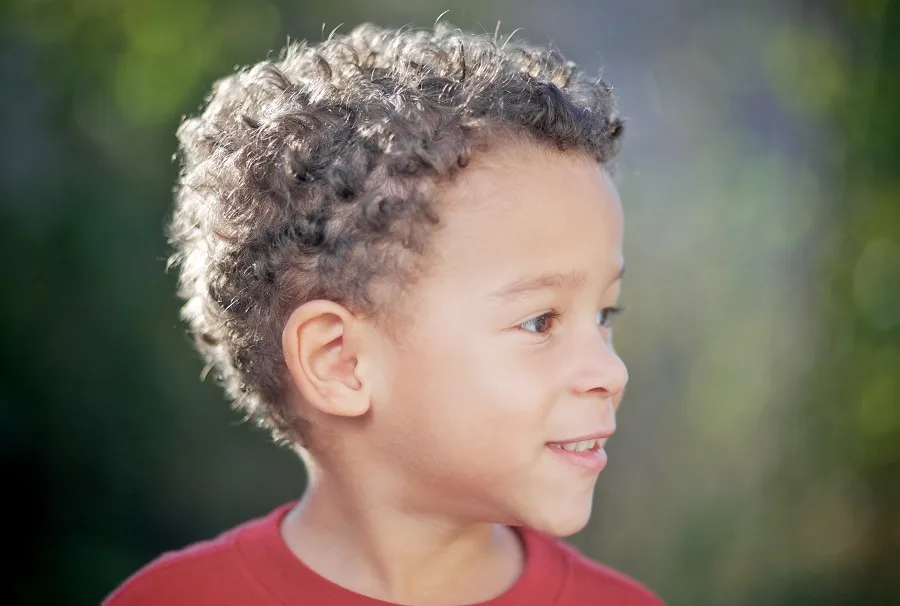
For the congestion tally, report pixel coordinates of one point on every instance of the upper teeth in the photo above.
(581, 446)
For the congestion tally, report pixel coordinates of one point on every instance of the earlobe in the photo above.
(320, 354)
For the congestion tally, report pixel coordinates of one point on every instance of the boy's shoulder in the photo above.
(206, 572)
(587, 580)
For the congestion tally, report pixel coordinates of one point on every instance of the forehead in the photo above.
(529, 207)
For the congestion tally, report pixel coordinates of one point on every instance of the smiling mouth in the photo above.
(580, 446)
(587, 454)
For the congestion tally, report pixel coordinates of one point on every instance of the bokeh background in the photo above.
(758, 457)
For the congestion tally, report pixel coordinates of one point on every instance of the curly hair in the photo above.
(314, 176)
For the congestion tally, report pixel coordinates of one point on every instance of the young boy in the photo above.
(402, 252)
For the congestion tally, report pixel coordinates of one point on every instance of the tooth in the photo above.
(585, 445)
(569, 446)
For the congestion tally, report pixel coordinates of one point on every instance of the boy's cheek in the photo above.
(470, 386)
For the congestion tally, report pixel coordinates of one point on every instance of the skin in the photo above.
(430, 443)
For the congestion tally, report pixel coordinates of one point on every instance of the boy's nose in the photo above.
(602, 371)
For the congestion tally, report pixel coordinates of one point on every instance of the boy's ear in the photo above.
(320, 344)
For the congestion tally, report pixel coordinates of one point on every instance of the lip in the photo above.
(600, 435)
(593, 460)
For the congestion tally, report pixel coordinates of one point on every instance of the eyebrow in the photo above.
(571, 280)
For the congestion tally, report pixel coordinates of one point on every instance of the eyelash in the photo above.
(553, 315)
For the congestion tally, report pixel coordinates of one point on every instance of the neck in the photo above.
(363, 538)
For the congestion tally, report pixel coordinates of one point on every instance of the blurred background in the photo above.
(758, 457)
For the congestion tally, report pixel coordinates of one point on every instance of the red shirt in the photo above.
(251, 565)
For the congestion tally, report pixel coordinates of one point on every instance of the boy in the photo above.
(402, 253)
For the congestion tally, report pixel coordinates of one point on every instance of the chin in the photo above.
(562, 522)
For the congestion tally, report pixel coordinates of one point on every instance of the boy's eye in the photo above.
(540, 324)
(543, 323)
(605, 315)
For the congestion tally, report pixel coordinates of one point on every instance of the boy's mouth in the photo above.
(580, 446)
(586, 452)
(584, 443)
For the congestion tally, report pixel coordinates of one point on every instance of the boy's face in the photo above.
(484, 378)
